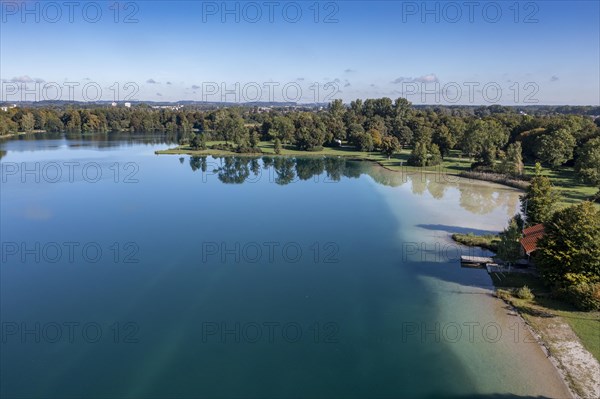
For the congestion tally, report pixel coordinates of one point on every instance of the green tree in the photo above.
(359, 138)
(443, 138)
(7, 125)
(283, 128)
(540, 199)
(72, 121)
(27, 122)
(232, 129)
(254, 139)
(53, 123)
(435, 157)
(310, 132)
(277, 145)
(402, 111)
(571, 245)
(482, 139)
(509, 247)
(376, 136)
(389, 146)
(512, 164)
(404, 136)
(335, 119)
(556, 148)
(419, 155)
(587, 165)
(355, 130)
(364, 142)
(198, 142)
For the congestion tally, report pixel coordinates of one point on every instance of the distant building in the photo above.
(531, 236)
(127, 105)
(114, 104)
(170, 107)
(5, 109)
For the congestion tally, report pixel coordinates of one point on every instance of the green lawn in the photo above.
(565, 180)
(487, 241)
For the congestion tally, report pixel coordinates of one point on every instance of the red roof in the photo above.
(531, 235)
(534, 229)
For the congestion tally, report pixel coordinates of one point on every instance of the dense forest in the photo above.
(497, 138)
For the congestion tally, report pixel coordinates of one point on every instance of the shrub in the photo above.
(585, 296)
(525, 293)
(503, 294)
(222, 147)
(248, 150)
(487, 241)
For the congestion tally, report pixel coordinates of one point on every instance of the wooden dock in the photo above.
(481, 261)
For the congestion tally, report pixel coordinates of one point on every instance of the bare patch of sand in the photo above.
(578, 367)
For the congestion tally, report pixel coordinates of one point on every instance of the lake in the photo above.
(127, 274)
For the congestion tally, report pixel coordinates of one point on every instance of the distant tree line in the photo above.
(497, 138)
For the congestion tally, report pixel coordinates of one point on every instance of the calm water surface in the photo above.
(127, 274)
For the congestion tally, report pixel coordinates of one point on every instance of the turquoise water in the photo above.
(127, 274)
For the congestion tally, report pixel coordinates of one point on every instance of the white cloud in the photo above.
(26, 79)
(430, 78)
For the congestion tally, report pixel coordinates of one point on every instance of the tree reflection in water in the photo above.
(476, 197)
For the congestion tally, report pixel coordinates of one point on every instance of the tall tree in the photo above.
(512, 164)
(335, 119)
(277, 146)
(571, 245)
(27, 122)
(540, 199)
(587, 165)
(509, 246)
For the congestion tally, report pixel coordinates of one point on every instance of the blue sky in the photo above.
(504, 52)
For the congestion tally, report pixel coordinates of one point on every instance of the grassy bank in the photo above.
(542, 311)
(487, 241)
(571, 190)
(571, 337)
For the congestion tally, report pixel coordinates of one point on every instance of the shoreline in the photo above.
(571, 191)
(438, 169)
(543, 346)
(577, 367)
(11, 135)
